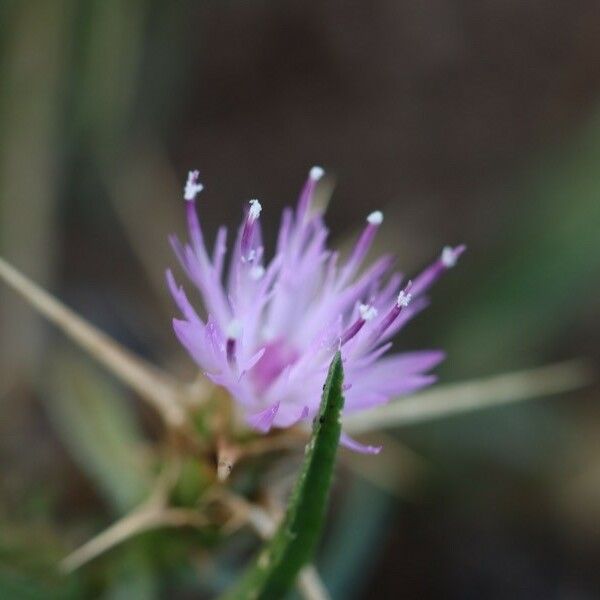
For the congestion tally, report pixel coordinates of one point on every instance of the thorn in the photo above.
(153, 385)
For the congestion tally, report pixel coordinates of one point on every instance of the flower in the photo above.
(272, 326)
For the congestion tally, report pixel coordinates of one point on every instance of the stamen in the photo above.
(307, 193)
(248, 231)
(401, 303)
(449, 257)
(375, 218)
(257, 272)
(403, 299)
(250, 256)
(316, 173)
(431, 274)
(367, 312)
(233, 332)
(192, 186)
(255, 208)
(352, 331)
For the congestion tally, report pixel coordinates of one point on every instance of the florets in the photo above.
(272, 326)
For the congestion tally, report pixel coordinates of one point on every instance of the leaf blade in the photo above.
(275, 569)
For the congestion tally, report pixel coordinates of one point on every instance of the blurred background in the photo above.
(475, 122)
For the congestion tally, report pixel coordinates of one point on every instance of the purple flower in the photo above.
(271, 327)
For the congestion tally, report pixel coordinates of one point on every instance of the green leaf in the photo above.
(274, 571)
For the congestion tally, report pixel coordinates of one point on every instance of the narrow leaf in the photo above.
(274, 571)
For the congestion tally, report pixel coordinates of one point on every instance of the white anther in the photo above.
(448, 257)
(316, 173)
(255, 208)
(375, 218)
(250, 257)
(367, 312)
(192, 187)
(234, 330)
(257, 272)
(403, 299)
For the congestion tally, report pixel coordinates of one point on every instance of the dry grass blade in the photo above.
(151, 514)
(157, 388)
(139, 521)
(457, 398)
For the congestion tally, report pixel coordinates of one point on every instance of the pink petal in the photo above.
(263, 420)
(351, 444)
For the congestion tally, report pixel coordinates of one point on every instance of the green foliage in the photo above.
(278, 563)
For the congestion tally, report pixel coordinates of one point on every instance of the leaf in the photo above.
(275, 569)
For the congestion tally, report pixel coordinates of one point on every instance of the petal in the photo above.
(181, 299)
(192, 339)
(412, 362)
(263, 420)
(254, 359)
(351, 444)
(290, 414)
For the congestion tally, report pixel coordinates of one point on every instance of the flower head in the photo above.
(271, 327)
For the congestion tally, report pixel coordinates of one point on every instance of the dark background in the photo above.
(464, 121)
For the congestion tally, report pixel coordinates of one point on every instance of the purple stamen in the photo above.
(431, 274)
(192, 186)
(308, 191)
(194, 228)
(366, 314)
(374, 220)
(248, 231)
(352, 331)
(233, 332)
(402, 302)
(230, 350)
